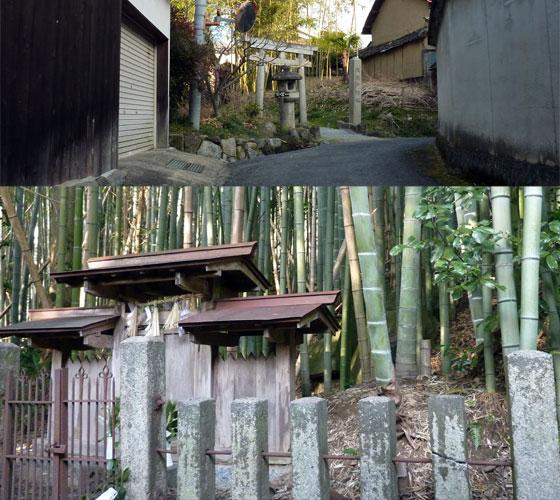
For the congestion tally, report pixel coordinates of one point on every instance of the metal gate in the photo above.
(59, 435)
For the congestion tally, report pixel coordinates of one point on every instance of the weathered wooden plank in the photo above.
(60, 89)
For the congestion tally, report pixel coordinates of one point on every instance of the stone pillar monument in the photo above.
(355, 81)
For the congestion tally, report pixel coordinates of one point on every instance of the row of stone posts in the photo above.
(532, 402)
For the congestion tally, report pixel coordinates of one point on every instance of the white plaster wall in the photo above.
(157, 12)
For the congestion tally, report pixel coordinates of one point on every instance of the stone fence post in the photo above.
(308, 421)
(378, 444)
(446, 416)
(534, 429)
(142, 416)
(196, 478)
(249, 439)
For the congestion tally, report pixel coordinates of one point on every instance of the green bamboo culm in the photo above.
(328, 283)
(299, 232)
(172, 233)
(486, 268)
(445, 339)
(61, 243)
(530, 261)
(372, 286)
(118, 222)
(92, 231)
(410, 287)
(500, 198)
(283, 279)
(378, 205)
(162, 219)
(78, 237)
(356, 282)
(467, 215)
(227, 197)
(345, 352)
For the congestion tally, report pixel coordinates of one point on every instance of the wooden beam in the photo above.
(194, 285)
(215, 339)
(292, 48)
(279, 61)
(99, 341)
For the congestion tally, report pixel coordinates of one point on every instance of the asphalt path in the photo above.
(348, 159)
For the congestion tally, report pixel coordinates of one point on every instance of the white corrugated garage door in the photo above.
(137, 100)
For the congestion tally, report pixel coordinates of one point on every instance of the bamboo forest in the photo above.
(437, 286)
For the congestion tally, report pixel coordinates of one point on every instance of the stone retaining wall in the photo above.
(234, 149)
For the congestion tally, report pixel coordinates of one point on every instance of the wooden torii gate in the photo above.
(262, 45)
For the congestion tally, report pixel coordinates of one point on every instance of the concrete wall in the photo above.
(157, 12)
(398, 18)
(401, 63)
(498, 79)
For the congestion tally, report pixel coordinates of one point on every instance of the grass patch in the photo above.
(238, 120)
(389, 109)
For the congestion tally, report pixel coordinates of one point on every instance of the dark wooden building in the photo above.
(83, 83)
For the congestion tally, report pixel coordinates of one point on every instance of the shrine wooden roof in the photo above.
(66, 328)
(148, 276)
(272, 315)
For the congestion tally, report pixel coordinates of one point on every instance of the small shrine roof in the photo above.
(66, 328)
(148, 276)
(266, 315)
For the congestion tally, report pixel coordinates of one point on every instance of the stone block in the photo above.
(446, 415)
(142, 417)
(275, 143)
(252, 150)
(378, 445)
(534, 429)
(249, 439)
(229, 146)
(209, 149)
(241, 155)
(195, 435)
(308, 422)
(192, 142)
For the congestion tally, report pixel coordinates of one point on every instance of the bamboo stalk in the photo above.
(372, 286)
(299, 233)
(500, 198)
(356, 280)
(530, 261)
(410, 290)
